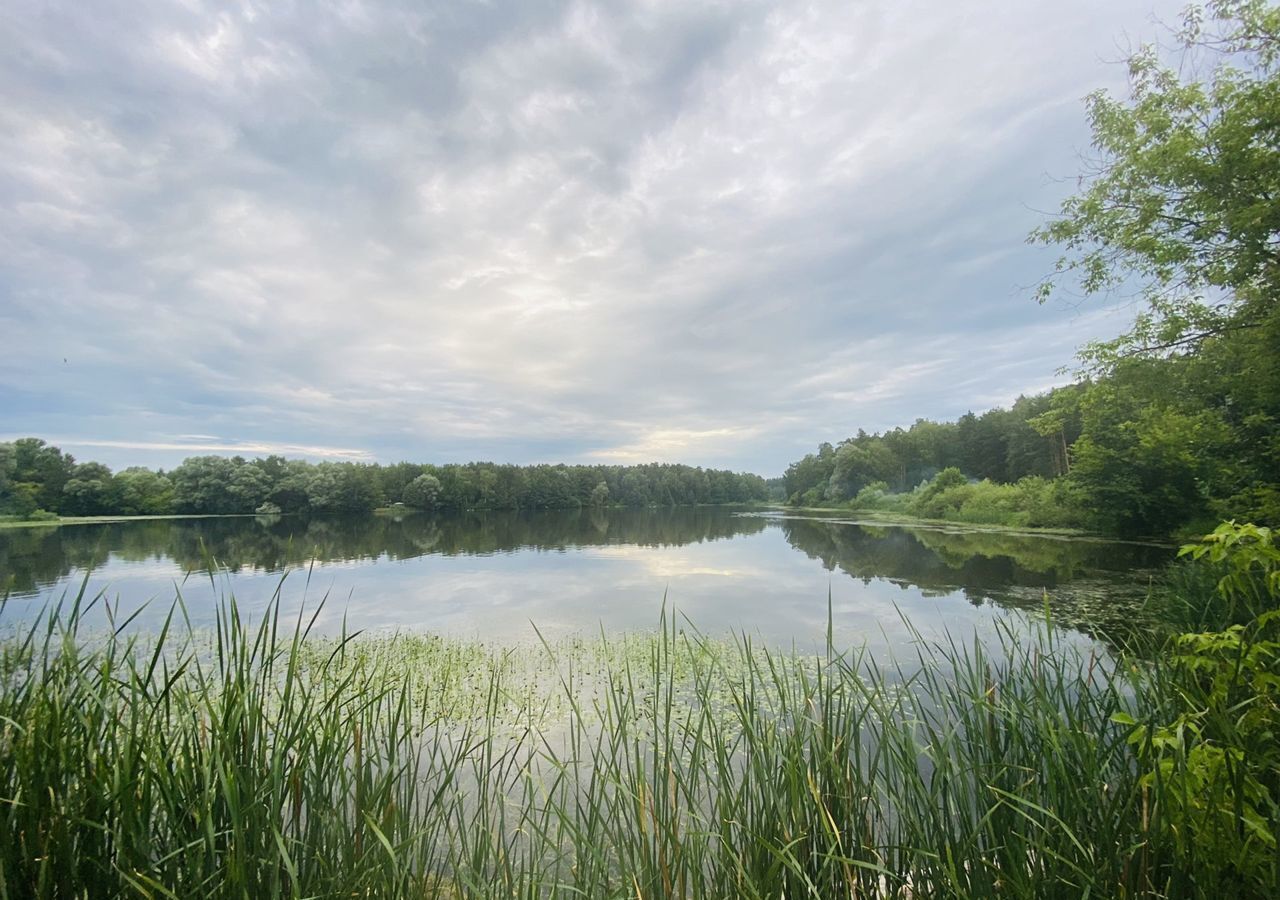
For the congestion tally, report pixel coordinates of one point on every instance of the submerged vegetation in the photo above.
(262, 760)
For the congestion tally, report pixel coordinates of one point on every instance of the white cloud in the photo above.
(714, 232)
(189, 446)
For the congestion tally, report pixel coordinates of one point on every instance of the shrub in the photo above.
(876, 495)
(1210, 755)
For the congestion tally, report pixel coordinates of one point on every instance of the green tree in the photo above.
(1184, 196)
(8, 466)
(23, 498)
(44, 466)
(200, 485)
(1183, 201)
(393, 479)
(812, 473)
(142, 492)
(290, 490)
(341, 488)
(859, 463)
(248, 486)
(600, 495)
(89, 491)
(422, 492)
(1144, 468)
(635, 489)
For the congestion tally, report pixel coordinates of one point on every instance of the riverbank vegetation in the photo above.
(40, 482)
(262, 760)
(1176, 422)
(1152, 446)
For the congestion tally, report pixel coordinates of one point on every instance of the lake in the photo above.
(493, 576)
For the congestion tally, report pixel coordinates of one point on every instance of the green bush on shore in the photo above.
(1033, 502)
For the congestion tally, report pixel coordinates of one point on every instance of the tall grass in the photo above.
(261, 760)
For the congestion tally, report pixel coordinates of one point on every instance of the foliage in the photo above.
(599, 495)
(1033, 502)
(1209, 748)
(1153, 447)
(24, 499)
(41, 515)
(1246, 563)
(43, 469)
(142, 492)
(1184, 198)
(342, 488)
(1000, 445)
(31, 471)
(89, 491)
(422, 492)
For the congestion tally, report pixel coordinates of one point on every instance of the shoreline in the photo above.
(110, 520)
(11, 522)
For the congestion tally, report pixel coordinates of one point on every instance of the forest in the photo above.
(38, 481)
(1153, 445)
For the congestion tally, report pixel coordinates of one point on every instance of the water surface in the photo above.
(493, 576)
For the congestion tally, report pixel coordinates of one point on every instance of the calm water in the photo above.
(490, 575)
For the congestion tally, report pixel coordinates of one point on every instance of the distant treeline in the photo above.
(1000, 445)
(37, 478)
(1154, 445)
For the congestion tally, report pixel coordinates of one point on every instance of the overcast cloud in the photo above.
(714, 233)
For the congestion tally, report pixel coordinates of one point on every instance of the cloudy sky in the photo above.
(715, 233)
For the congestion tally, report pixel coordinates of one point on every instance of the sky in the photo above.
(700, 232)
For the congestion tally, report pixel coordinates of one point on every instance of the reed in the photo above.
(259, 759)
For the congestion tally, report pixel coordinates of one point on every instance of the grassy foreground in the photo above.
(262, 761)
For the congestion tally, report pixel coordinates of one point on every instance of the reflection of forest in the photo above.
(1091, 585)
(34, 557)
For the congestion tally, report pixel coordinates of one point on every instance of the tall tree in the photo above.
(1183, 197)
(44, 468)
(89, 492)
(1183, 201)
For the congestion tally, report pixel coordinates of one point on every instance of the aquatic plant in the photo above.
(259, 759)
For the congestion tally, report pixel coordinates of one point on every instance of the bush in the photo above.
(1209, 751)
(876, 495)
